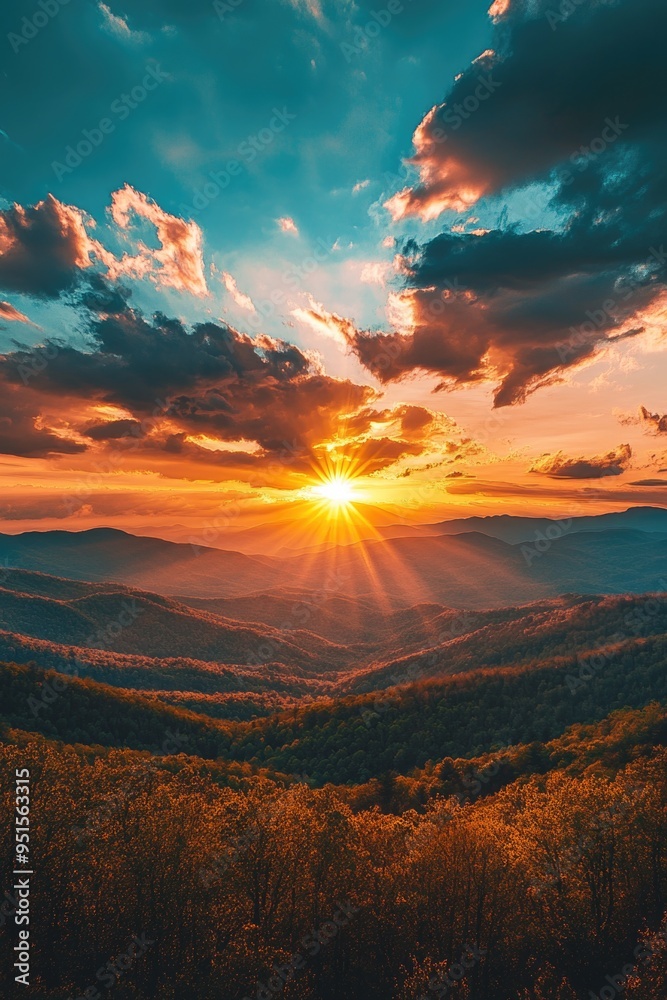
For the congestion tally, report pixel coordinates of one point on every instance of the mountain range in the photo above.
(609, 553)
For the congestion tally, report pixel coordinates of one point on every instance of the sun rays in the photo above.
(336, 492)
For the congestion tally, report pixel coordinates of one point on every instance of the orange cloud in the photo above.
(498, 9)
(178, 263)
(241, 299)
(7, 311)
(446, 181)
(561, 467)
(654, 422)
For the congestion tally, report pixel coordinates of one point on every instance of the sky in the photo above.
(249, 248)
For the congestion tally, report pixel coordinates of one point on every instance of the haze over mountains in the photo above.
(511, 528)
(245, 656)
(461, 566)
(237, 637)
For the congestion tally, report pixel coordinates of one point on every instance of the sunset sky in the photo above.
(247, 248)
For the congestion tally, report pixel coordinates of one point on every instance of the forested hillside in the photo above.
(537, 890)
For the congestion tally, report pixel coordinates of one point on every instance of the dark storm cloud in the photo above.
(579, 108)
(42, 248)
(213, 382)
(114, 429)
(552, 88)
(135, 361)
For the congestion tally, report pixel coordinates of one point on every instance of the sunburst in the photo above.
(336, 491)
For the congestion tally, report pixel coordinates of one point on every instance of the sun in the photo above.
(337, 492)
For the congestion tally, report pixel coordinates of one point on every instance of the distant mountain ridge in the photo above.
(513, 529)
(106, 554)
(605, 554)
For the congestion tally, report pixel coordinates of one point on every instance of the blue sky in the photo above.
(422, 240)
(356, 97)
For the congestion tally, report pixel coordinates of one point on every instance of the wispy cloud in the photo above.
(118, 27)
(241, 299)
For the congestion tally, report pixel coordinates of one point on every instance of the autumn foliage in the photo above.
(545, 886)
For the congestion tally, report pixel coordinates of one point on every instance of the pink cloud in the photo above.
(498, 9)
(178, 263)
(242, 300)
(288, 225)
(445, 181)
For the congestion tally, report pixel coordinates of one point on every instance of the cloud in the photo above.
(114, 429)
(191, 395)
(559, 490)
(43, 249)
(520, 309)
(325, 323)
(133, 360)
(178, 263)
(513, 309)
(9, 312)
(655, 421)
(241, 299)
(374, 272)
(498, 9)
(288, 225)
(208, 402)
(309, 7)
(415, 420)
(510, 118)
(649, 482)
(23, 432)
(118, 27)
(359, 186)
(559, 466)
